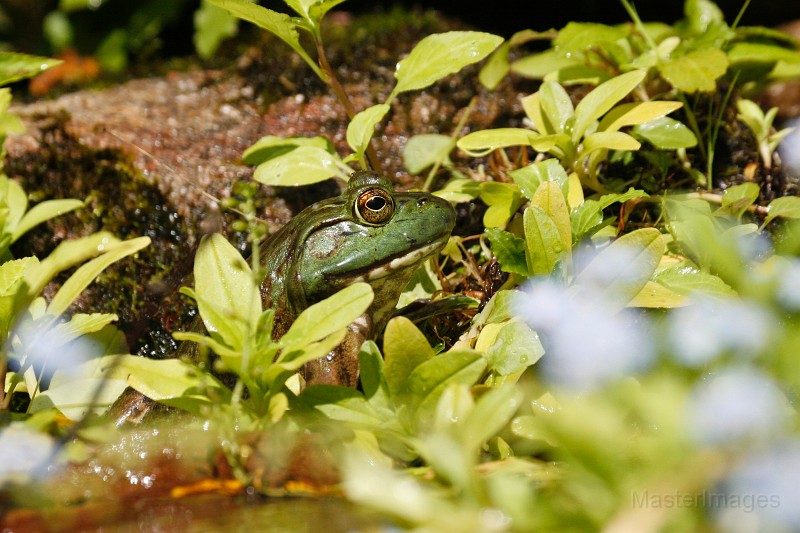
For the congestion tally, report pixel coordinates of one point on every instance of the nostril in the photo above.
(422, 201)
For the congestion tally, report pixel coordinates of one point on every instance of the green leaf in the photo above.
(701, 14)
(585, 217)
(516, 347)
(404, 349)
(556, 107)
(576, 37)
(425, 150)
(373, 377)
(687, 280)
(15, 66)
(601, 99)
(228, 299)
(328, 316)
(342, 403)
(542, 239)
(620, 271)
(736, 199)
(656, 296)
(608, 199)
(509, 251)
(635, 113)
(666, 134)
(170, 381)
(483, 142)
(496, 67)
(696, 71)
(459, 190)
(82, 277)
(537, 66)
(491, 413)
(530, 177)
(270, 146)
(427, 382)
(212, 25)
(73, 398)
(292, 358)
(362, 127)
(80, 324)
(503, 200)
(302, 166)
(441, 54)
(279, 24)
(785, 206)
(552, 201)
(609, 140)
(42, 212)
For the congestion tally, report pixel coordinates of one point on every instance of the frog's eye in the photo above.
(374, 206)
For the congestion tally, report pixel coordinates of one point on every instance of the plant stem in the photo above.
(429, 179)
(341, 95)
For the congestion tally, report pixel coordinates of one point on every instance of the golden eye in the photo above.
(374, 206)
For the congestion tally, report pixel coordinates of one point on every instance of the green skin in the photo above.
(330, 245)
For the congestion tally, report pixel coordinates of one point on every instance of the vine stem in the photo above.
(341, 95)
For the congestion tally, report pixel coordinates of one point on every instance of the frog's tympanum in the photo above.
(370, 233)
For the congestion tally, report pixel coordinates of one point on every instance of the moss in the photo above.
(119, 200)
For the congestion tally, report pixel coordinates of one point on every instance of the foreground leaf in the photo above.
(441, 54)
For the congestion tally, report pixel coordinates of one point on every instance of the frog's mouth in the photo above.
(414, 257)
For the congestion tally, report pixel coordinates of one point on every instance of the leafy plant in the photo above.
(760, 124)
(581, 137)
(303, 161)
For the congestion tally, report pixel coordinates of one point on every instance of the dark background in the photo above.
(505, 16)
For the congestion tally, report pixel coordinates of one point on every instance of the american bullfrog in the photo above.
(370, 233)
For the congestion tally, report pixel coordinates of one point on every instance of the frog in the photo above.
(370, 233)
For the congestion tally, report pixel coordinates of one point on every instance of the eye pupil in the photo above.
(374, 206)
(376, 203)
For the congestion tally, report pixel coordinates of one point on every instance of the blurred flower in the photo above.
(765, 487)
(740, 403)
(790, 148)
(24, 453)
(586, 344)
(788, 290)
(48, 349)
(708, 327)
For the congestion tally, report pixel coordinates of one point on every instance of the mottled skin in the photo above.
(369, 233)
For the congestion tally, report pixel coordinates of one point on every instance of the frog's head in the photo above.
(371, 233)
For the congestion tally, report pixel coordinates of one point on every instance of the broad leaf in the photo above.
(543, 241)
(404, 349)
(621, 270)
(529, 178)
(556, 106)
(635, 113)
(270, 146)
(696, 71)
(666, 134)
(302, 166)
(42, 212)
(228, 299)
(74, 398)
(786, 206)
(15, 67)
(687, 280)
(425, 150)
(609, 140)
(503, 200)
(362, 127)
(516, 347)
(328, 316)
(279, 24)
(601, 99)
(483, 142)
(441, 54)
(428, 381)
(550, 198)
(509, 251)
